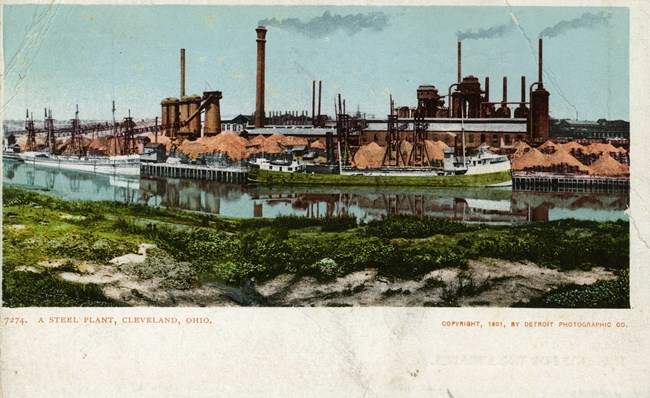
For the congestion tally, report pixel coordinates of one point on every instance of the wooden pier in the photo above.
(563, 183)
(197, 172)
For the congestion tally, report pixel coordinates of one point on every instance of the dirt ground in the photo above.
(486, 282)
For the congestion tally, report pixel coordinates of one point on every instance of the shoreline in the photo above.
(256, 175)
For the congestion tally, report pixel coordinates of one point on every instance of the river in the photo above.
(486, 205)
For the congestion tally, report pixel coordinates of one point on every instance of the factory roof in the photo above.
(455, 125)
(241, 119)
(580, 122)
(496, 125)
(292, 130)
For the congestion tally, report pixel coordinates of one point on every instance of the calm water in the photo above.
(366, 203)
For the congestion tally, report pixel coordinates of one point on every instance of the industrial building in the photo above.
(467, 107)
(616, 131)
(463, 107)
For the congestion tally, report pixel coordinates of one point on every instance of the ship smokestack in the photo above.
(459, 61)
(487, 89)
(329, 146)
(505, 89)
(182, 72)
(523, 89)
(259, 98)
(539, 78)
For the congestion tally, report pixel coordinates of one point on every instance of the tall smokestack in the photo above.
(259, 98)
(487, 89)
(523, 89)
(539, 106)
(459, 62)
(539, 78)
(320, 92)
(505, 88)
(182, 72)
(313, 102)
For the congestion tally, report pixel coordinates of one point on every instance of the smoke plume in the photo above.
(493, 31)
(587, 20)
(327, 24)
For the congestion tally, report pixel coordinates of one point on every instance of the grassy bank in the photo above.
(280, 178)
(193, 248)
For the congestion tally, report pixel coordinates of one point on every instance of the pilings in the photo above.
(570, 184)
(227, 175)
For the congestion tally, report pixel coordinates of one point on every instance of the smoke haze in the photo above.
(330, 23)
(587, 20)
(493, 31)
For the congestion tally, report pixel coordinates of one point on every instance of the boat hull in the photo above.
(282, 178)
(110, 166)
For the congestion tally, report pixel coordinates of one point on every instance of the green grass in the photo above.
(280, 178)
(602, 294)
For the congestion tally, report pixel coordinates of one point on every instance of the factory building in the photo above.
(464, 108)
(613, 130)
(181, 118)
(496, 123)
(494, 132)
(238, 123)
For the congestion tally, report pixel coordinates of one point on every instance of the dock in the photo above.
(562, 183)
(232, 175)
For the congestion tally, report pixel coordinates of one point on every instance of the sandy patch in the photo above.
(130, 258)
(53, 263)
(29, 268)
(132, 290)
(72, 217)
(486, 282)
(133, 258)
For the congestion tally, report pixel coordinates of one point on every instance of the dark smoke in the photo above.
(327, 24)
(494, 31)
(587, 20)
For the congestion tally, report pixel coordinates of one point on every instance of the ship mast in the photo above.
(75, 136)
(49, 126)
(115, 140)
(31, 131)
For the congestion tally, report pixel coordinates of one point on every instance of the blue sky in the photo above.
(59, 55)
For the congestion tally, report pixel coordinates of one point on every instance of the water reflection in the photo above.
(72, 185)
(365, 203)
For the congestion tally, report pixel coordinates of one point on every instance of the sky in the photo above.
(59, 55)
